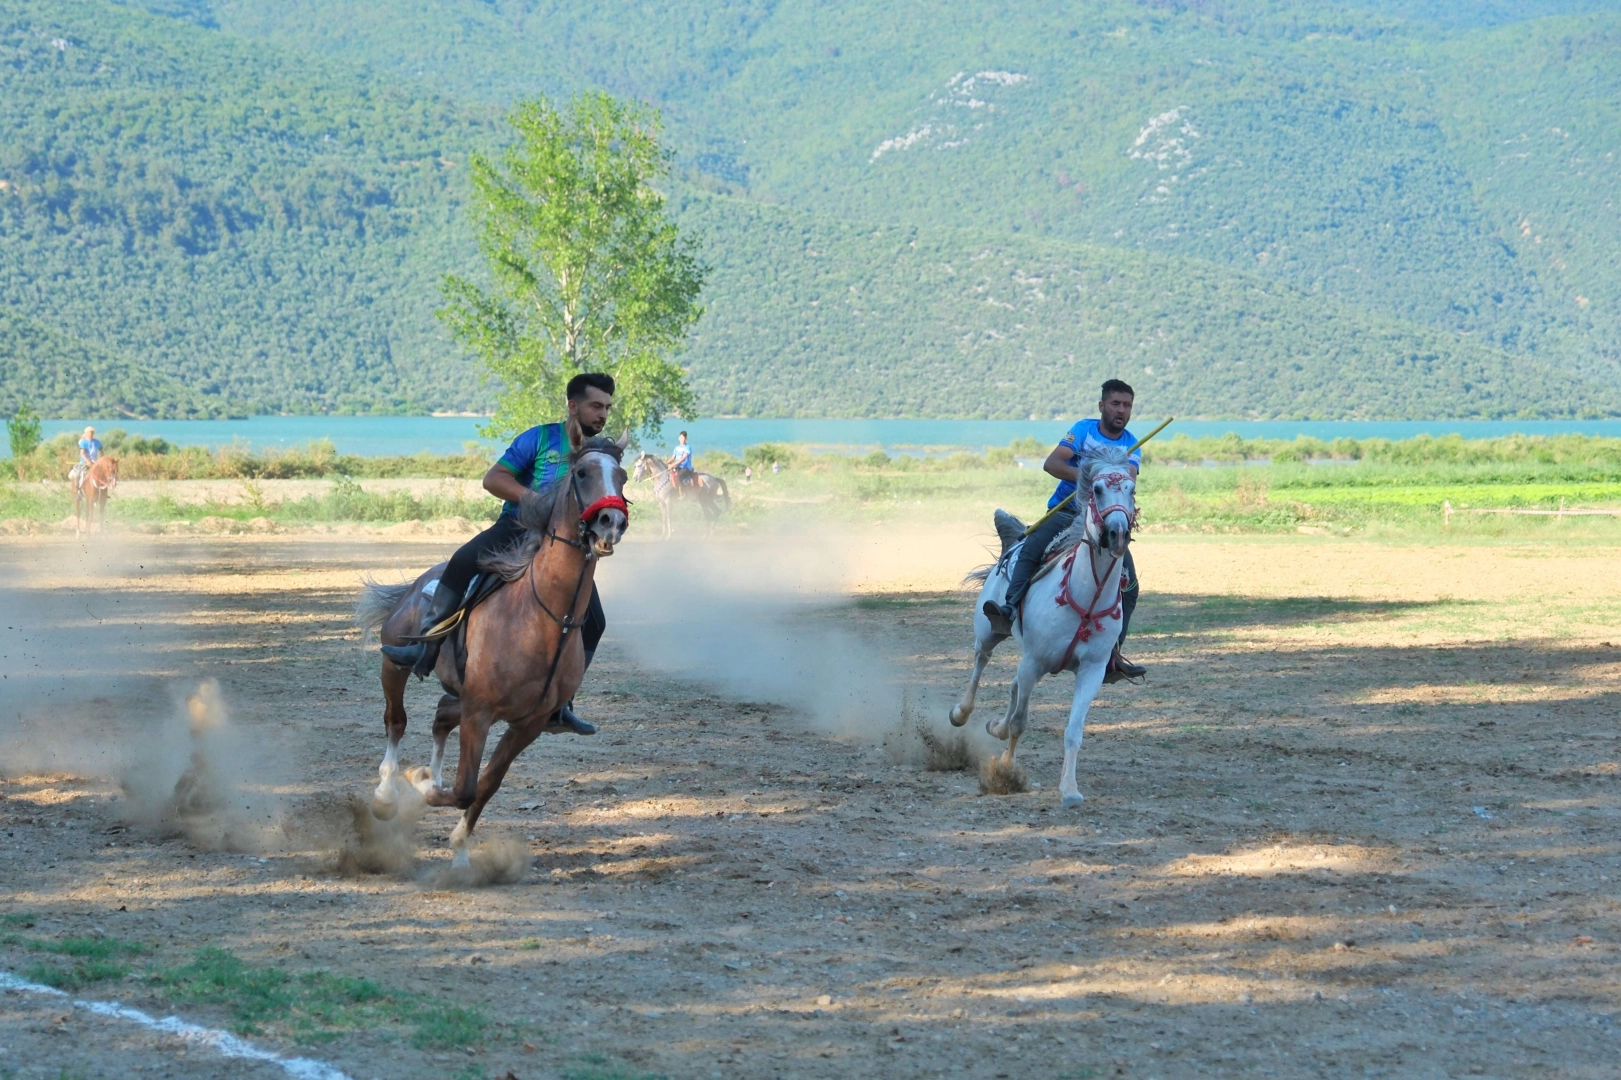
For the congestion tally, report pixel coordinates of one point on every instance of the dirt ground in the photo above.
(1362, 820)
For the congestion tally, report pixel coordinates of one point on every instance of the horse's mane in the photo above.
(535, 514)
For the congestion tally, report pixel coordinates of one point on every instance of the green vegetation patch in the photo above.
(83, 961)
(313, 1006)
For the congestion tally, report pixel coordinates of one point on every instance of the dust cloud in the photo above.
(764, 619)
(91, 688)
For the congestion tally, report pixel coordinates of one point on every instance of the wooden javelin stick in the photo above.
(1134, 446)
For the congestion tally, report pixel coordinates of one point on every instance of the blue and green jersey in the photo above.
(538, 458)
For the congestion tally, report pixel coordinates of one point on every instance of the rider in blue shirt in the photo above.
(680, 461)
(537, 459)
(89, 448)
(1082, 441)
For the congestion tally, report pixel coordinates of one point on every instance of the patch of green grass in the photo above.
(90, 948)
(597, 1067)
(94, 959)
(75, 976)
(24, 919)
(531, 943)
(313, 1006)
(442, 1028)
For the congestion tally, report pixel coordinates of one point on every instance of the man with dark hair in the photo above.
(1082, 441)
(537, 459)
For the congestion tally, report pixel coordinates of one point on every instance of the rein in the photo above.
(567, 621)
(1092, 619)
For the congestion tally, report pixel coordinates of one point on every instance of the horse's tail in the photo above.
(725, 493)
(378, 601)
(980, 575)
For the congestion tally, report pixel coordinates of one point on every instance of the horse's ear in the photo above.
(624, 440)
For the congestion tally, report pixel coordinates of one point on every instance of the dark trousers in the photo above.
(503, 534)
(1040, 538)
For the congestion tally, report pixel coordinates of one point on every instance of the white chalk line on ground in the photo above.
(222, 1042)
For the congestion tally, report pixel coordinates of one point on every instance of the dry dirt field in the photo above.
(1362, 820)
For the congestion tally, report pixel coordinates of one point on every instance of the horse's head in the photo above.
(1112, 494)
(111, 472)
(643, 467)
(599, 484)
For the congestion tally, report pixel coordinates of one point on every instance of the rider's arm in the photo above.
(1057, 463)
(503, 485)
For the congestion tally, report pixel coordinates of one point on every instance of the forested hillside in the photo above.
(1251, 207)
(267, 231)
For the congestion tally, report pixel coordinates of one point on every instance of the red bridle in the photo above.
(1091, 618)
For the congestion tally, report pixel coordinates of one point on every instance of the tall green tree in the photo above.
(589, 272)
(23, 430)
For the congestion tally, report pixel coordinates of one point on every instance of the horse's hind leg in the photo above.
(445, 720)
(1018, 706)
(506, 751)
(985, 643)
(385, 800)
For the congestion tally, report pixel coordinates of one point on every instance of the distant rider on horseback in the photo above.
(680, 462)
(89, 454)
(1082, 441)
(536, 459)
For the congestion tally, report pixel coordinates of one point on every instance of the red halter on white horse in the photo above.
(1092, 619)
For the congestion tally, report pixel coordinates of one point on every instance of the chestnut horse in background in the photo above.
(90, 490)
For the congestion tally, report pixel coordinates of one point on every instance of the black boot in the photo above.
(1120, 668)
(1001, 615)
(421, 656)
(565, 718)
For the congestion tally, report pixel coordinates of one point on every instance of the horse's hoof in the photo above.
(996, 730)
(959, 716)
(384, 811)
(1070, 802)
(421, 778)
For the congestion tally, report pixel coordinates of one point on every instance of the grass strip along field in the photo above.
(305, 1007)
(1225, 484)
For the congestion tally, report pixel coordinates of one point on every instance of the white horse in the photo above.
(710, 491)
(1071, 612)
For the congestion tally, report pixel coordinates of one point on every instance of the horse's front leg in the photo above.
(475, 725)
(1088, 679)
(385, 801)
(506, 751)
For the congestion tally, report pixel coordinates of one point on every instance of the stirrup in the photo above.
(998, 618)
(1122, 670)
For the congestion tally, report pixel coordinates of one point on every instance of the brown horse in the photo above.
(523, 654)
(90, 490)
(710, 490)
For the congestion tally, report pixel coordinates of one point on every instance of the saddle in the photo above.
(1010, 530)
(453, 628)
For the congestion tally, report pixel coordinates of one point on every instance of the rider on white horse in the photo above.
(536, 459)
(1082, 441)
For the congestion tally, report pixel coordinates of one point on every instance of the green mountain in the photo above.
(1247, 208)
(64, 376)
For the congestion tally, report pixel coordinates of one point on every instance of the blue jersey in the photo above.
(538, 458)
(681, 456)
(91, 449)
(1086, 440)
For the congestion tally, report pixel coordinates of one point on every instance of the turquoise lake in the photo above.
(374, 436)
